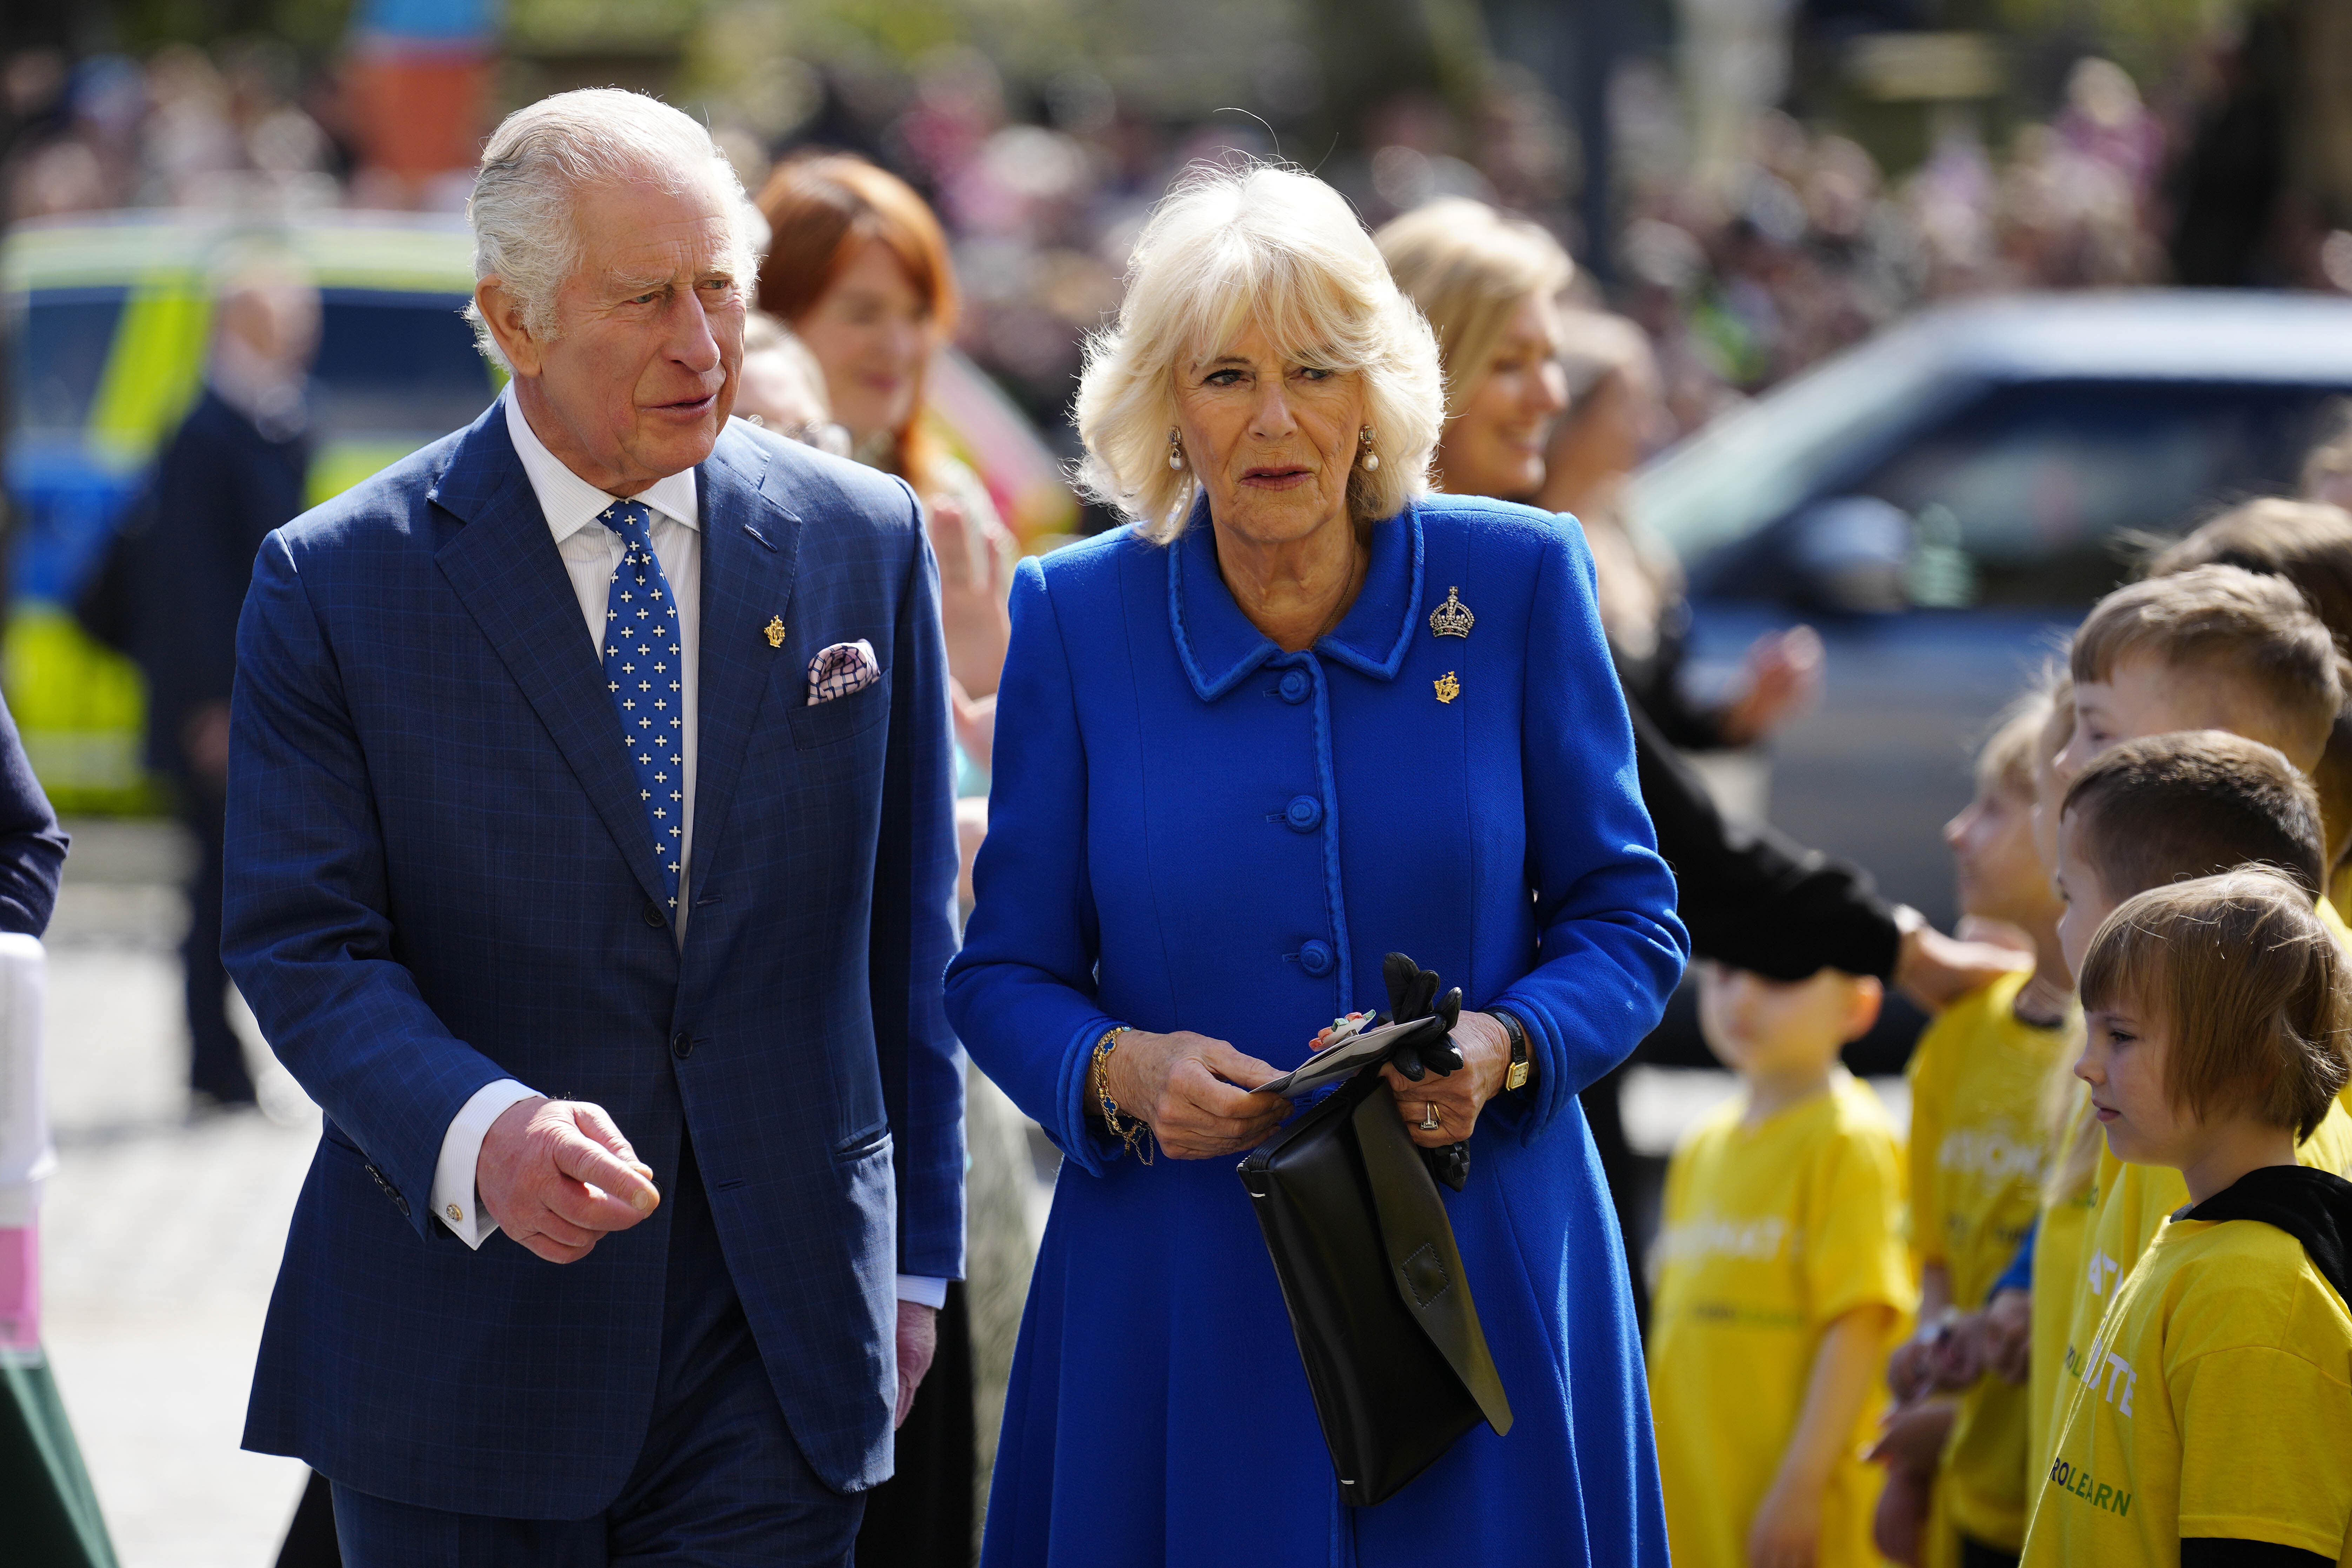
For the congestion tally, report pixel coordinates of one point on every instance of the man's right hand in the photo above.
(558, 1177)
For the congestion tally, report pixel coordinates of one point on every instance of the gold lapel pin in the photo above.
(1452, 618)
(775, 631)
(1448, 689)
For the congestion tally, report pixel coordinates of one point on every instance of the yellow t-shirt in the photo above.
(2243, 1429)
(1771, 1234)
(2057, 1258)
(2132, 1203)
(1976, 1173)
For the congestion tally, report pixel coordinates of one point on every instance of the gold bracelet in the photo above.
(1135, 1133)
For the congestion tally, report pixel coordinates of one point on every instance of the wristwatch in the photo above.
(1515, 1076)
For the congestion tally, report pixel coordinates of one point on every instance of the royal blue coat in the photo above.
(1192, 829)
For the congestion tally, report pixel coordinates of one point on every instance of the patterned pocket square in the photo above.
(841, 669)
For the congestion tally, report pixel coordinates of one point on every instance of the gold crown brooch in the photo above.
(1452, 618)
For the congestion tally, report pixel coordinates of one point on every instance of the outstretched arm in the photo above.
(1611, 947)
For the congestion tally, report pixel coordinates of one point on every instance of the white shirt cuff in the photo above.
(455, 1201)
(923, 1290)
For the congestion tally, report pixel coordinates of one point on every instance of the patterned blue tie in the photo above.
(642, 662)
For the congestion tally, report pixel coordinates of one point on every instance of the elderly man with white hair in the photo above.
(590, 863)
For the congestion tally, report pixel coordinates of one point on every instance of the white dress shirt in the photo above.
(591, 553)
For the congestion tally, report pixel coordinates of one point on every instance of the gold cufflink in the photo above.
(457, 1214)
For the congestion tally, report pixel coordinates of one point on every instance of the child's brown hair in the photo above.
(2250, 988)
(2165, 807)
(2256, 628)
(2309, 544)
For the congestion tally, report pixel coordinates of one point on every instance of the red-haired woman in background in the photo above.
(858, 267)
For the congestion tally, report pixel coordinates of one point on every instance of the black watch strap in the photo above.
(1517, 1076)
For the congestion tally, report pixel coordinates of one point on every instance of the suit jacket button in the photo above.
(1305, 813)
(1295, 686)
(653, 915)
(1317, 959)
(681, 1045)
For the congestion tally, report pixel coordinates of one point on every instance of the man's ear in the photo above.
(1861, 1005)
(503, 312)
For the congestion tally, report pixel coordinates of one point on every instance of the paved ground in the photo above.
(161, 1237)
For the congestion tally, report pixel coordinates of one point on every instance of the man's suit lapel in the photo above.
(750, 545)
(504, 569)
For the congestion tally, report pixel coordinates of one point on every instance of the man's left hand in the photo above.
(919, 1340)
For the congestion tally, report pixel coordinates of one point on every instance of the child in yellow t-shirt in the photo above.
(1977, 1079)
(2144, 815)
(2208, 1419)
(1779, 1282)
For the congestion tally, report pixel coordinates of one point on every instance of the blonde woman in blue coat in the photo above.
(1298, 714)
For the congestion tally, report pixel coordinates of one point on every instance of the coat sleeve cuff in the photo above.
(1084, 1144)
(454, 1202)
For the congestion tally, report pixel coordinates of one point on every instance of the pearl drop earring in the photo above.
(1175, 452)
(1372, 458)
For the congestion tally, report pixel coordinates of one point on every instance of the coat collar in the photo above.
(750, 547)
(1218, 645)
(504, 567)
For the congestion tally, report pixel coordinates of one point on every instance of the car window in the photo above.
(58, 354)
(2021, 497)
(397, 364)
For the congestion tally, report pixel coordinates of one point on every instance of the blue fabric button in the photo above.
(1295, 686)
(1305, 813)
(1316, 959)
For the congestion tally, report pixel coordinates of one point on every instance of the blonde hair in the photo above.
(2249, 985)
(2005, 760)
(1469, 269)
(1261, 243)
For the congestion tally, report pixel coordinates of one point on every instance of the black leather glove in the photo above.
(1413, 990)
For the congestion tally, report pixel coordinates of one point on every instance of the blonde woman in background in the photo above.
(1555, 403)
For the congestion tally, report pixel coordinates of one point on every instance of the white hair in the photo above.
(543, 155)
(1268, 245)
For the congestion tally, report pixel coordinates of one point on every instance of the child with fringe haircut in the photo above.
(2208, 1419)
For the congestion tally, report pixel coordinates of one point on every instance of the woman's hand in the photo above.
(1459, 1096)
(1183, 1085)
(975, 556)
(1784, 676)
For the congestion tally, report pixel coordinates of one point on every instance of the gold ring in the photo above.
(1431, 1119)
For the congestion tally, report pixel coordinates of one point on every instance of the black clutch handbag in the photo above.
(1394, 1357)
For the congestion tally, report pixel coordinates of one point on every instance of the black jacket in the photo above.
(1748, 896)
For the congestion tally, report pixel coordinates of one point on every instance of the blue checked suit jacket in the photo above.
(440, 874)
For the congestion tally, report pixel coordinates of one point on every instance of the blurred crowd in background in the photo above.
(1747, 242)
